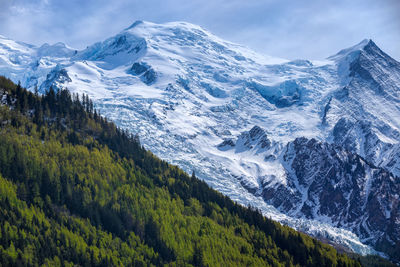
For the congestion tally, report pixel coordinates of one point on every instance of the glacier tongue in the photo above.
(229, 113)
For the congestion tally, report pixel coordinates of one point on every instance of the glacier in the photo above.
(230, 114)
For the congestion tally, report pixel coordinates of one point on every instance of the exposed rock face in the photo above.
(55, 78)
(146, 72)
(194, 97)
(329, 183)
(255, 139)
(126, 46)
(364, 114)
(226, 144)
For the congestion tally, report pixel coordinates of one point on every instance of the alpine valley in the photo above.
(312, 144)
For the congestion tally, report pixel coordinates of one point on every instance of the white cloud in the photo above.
(291, 29)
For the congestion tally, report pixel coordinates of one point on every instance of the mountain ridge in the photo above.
(77, 190)
(187, 91)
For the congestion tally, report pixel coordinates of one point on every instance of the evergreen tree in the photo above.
(81, 191)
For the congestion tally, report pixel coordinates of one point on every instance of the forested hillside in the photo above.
(76, 190)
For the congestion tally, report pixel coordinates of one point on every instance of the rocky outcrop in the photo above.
(328, 183)
(256, 139)
(144, 71)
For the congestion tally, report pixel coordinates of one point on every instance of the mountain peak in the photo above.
(360, 57)
(353, 50)
(133, 25)
(158, 79)
(55, 50)
(369, 43)
(365, 42)
(371, 48)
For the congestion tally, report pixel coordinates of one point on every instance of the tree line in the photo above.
(77, 190)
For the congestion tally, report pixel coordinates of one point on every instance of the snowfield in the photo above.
(231, 114)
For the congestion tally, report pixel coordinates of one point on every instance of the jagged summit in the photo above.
(370, 46)
(368, 61)
(192, 96)
(350, 51)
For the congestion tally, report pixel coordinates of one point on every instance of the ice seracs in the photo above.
(248, 123)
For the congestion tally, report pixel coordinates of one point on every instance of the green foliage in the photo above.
(77, 190)
(372, 261)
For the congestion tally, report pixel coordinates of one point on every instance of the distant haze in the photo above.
(306, 29)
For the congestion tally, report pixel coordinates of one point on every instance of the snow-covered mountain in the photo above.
(313, 144)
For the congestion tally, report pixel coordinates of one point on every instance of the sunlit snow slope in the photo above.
(246, 123)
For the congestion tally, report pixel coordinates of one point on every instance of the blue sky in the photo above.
(290, 29)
